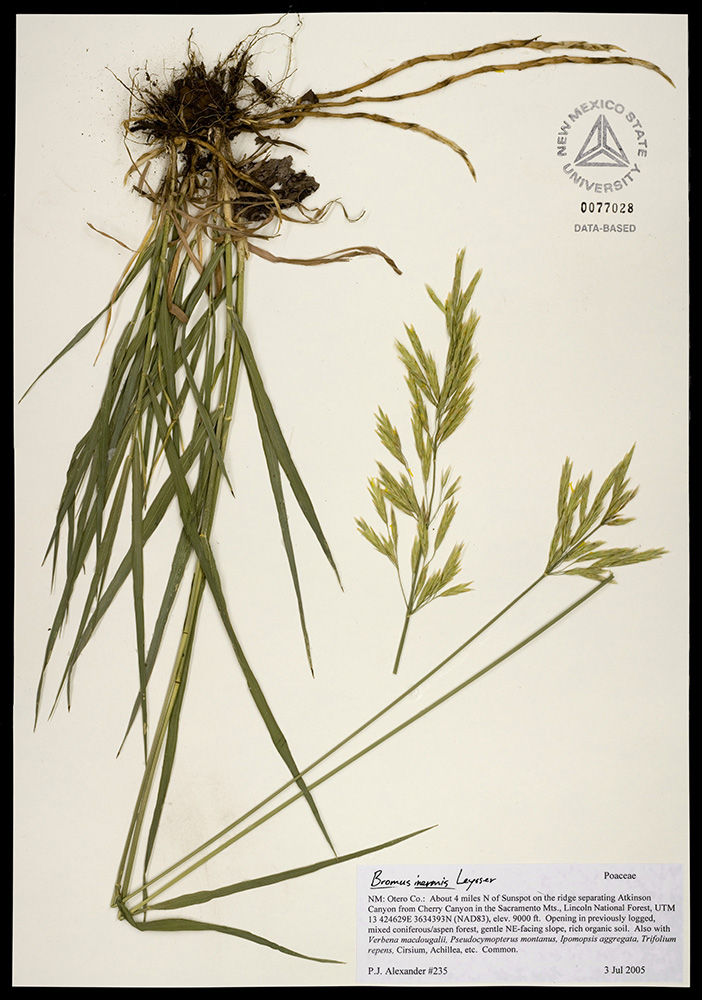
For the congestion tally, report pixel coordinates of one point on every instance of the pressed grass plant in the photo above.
(433, 505)
(439, 403)
(572, 552)
(208, 166)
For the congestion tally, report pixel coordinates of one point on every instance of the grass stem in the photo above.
(401, 645)
(351, 736)
(381, 739)
(212, 472)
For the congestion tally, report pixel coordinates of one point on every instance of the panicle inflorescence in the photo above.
(439, 403)
(572, 551)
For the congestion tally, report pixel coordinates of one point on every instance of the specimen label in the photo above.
(520, 924)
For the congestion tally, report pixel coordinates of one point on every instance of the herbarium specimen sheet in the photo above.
(400, 465)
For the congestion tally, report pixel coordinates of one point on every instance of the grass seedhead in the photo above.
(439, 403)
(573, 552)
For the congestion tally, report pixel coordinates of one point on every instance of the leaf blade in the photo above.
(265, 412)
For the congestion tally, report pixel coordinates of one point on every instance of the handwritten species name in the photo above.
(378, 881)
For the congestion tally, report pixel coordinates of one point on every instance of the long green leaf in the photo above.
(105, 421)
(92, 474)
(172, 736)
(206, 419)
(109, 436)
(266, 414)
(183, 924)
(175, 577)
(152, 519)
(102, 556)
(203, 282)
(137, 551)
(209, 568)
(193, 898)
(277, 487)
(143, 258)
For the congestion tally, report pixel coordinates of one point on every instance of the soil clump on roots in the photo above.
(211, 129)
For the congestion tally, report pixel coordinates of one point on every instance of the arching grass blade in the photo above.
(266, 415)
(203, 553)
(194, 898)
(183, 924)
